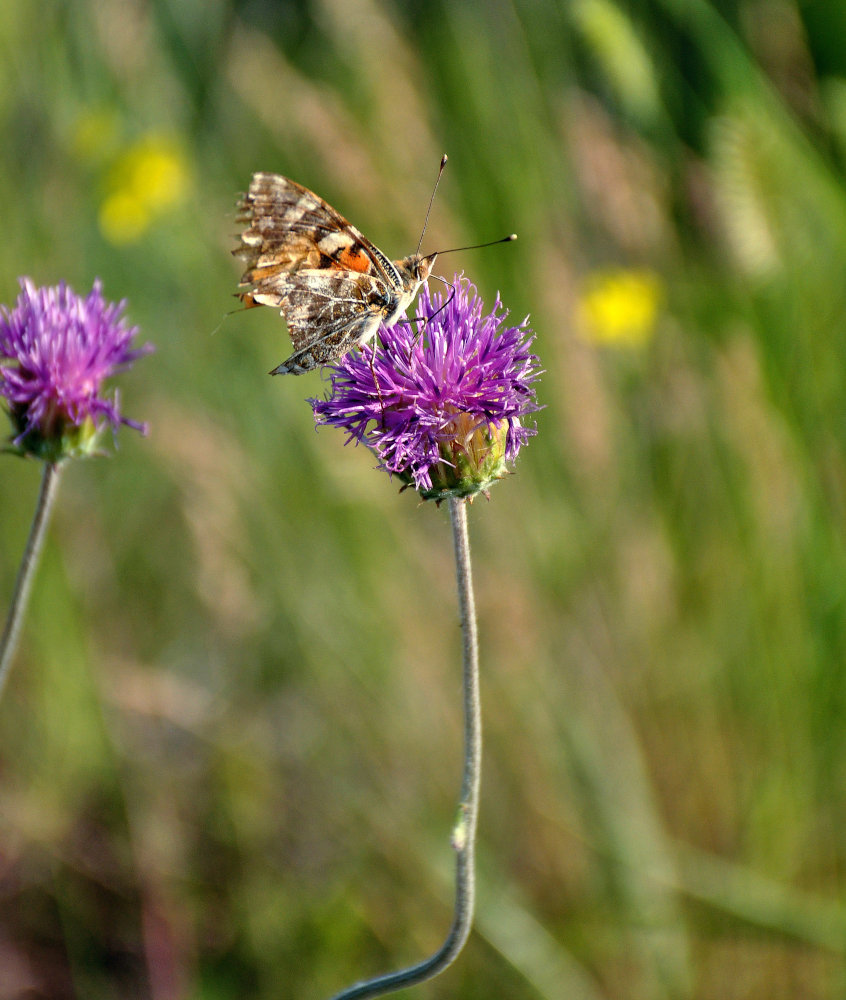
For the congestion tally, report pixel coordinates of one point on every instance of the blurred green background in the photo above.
(230, 747)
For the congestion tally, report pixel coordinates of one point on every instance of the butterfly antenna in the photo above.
(444, 159)
(478, 246)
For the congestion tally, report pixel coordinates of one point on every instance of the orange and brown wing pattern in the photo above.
(302, 257)
(289, 229)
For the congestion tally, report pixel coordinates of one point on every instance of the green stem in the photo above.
(464, 831)
(26, 572)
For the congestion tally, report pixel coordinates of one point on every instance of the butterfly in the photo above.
(333, 286)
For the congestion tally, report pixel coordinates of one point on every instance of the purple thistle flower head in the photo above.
(56, 349)
(441, 402)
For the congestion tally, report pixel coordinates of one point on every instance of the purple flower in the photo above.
(441, 402)
(56, 349)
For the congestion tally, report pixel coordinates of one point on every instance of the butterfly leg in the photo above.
(417, 334)
(376, 383)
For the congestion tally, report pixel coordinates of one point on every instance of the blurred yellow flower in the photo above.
(620, 307)
(148, 179)
(123, 218)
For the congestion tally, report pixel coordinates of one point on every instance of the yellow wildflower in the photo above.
(148, 179)
(620, 307)
(123, 218)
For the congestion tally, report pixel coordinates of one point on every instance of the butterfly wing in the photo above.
(332, 285)
(328, 312)
(290, 229)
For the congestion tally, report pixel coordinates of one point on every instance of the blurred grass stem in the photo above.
(464, 831)
(26, 572)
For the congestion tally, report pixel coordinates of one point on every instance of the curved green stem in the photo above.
(464, 831)
(26, 572)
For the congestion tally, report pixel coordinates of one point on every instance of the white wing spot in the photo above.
(293, 213)
(333, 242)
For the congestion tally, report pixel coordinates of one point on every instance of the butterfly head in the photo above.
(415, 269)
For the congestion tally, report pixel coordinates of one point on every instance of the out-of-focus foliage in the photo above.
(229, 750)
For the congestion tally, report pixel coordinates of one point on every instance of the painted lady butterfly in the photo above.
(332, 285)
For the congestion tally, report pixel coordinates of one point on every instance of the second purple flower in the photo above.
(56, 350)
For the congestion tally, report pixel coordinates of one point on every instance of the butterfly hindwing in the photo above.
(319, 302)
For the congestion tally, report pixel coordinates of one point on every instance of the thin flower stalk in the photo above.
(464, 831)
(26, 571)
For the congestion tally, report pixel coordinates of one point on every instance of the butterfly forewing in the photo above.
(293, 228)
(332, 285)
